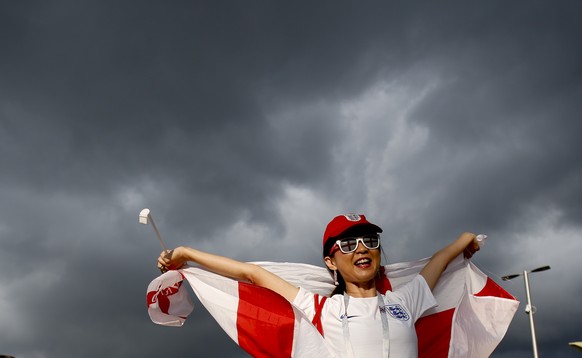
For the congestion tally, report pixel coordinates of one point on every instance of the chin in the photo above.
(367, 275)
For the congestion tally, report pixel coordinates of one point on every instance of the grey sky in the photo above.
(246, 126)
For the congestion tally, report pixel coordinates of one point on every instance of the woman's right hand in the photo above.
(172, 259)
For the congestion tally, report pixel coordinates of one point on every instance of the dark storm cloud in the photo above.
(211, 111)
(165, 93)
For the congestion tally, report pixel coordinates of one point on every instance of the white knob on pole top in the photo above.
(143, 216)
(481, 239)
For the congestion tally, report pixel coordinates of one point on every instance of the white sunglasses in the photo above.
(350, 244)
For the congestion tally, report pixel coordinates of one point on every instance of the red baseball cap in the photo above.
(341, 223)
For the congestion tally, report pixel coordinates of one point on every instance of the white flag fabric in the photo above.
(471, 318)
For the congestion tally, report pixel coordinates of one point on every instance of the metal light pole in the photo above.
(529, 309)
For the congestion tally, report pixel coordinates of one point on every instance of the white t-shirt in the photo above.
(404, 306)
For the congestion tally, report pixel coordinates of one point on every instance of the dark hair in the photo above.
(328, 245)
(341, 284)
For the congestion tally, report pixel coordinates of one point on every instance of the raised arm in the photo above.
(225, 266)
(466, 243)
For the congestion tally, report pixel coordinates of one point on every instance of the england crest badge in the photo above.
(353, 217)
(396, 311)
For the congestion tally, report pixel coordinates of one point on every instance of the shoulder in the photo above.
(410, 292)
(303, 298)
(415, 295)
(417, 283)
(308, 301)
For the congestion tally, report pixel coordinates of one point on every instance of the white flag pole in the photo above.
(145, 217)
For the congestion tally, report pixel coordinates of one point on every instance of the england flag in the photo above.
(472, 316)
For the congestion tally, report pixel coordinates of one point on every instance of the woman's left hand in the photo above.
(472, 247)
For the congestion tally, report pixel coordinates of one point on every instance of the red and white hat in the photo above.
(341, 223)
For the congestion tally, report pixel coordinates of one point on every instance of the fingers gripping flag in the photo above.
(471, 318)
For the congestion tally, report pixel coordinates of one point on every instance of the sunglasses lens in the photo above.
(348, 245)
(371, 242)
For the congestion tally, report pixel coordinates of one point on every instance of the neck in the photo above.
(361, 290)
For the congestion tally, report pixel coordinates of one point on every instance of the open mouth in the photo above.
(363, 263)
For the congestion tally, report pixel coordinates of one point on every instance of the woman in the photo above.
(356, 321)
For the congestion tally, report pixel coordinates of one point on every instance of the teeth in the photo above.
(363, 261)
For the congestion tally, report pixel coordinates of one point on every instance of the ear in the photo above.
(329, 262)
